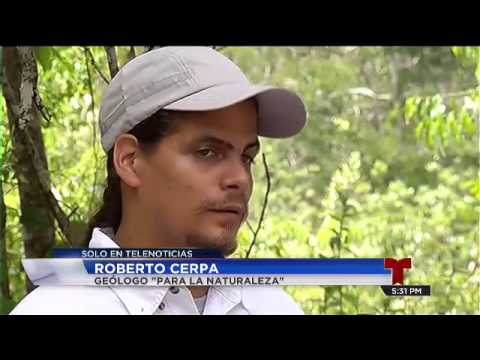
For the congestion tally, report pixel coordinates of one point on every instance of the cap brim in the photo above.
(281, 112)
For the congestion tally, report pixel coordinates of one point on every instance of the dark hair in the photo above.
(148, 133)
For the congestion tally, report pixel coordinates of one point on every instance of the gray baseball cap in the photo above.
(191, 78)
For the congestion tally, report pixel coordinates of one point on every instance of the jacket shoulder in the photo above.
(69, 300)
(269, 301)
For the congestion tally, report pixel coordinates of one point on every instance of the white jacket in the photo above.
(90, 300)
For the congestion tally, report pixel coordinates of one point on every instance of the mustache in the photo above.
(209, 204)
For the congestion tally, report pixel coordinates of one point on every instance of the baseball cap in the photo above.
(192, 78)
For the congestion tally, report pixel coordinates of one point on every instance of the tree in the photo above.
(4, 283)
(29, 151)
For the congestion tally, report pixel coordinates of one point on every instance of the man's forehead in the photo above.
(205, 138)
(229, 126)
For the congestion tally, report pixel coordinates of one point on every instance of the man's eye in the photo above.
(208, 153)
(248, 159)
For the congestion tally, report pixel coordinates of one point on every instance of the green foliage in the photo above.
(3, 131)
(371, 179)
(44, 57)
(77, 171)
(387, 166)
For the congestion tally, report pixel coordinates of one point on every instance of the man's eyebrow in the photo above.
(255, 144)
(215, 140)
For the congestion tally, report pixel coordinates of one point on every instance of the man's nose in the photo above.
(237, 176)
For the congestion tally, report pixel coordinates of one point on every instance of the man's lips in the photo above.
(237, 210)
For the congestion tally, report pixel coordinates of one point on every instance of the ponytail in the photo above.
(148, 133)
(110, 213)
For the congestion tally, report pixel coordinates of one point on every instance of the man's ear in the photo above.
(125, 158)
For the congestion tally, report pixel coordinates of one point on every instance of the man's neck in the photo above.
(143, 236)
(128, 239)
(198, 291)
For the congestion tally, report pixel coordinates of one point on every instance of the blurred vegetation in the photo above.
(388, 165)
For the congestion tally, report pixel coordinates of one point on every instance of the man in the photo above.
(180, 127)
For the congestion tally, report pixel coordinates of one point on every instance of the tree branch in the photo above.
(265, 202)
(250, 227)
(131, 53)
(94, 135)
(112, 60)
(94, 64)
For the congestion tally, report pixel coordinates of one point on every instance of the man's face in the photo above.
(198, 181)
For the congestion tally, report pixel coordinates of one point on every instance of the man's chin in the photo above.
(224, 244)
(230, 249)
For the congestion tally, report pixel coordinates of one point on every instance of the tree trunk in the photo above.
(4, 283)
(31, 171)
(4, 287)
(112, 60)
(398, 90)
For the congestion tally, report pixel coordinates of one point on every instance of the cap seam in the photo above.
(187, 69)
(198, 91)
(107, 118)
(118, 106)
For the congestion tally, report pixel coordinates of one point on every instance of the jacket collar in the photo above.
(145, 300)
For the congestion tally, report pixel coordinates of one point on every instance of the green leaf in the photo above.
(44, 56)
